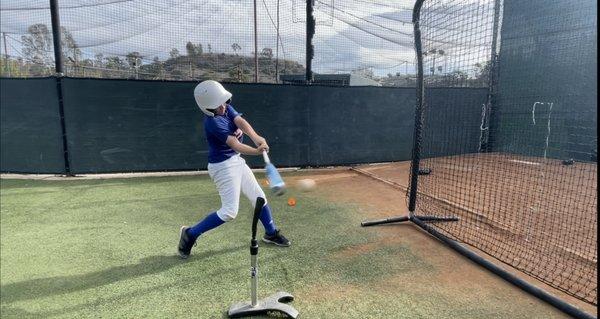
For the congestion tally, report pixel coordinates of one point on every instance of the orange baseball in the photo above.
(292, 201)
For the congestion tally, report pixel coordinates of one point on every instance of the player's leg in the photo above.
(227, 178)
(252, 190)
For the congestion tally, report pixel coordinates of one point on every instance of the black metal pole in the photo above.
(416, 152)
(535, 291)
(277, 46)
(260, 202)
(58, 61)
(310, 32)
(385, 221)
(486, 145)
(58, 65)
(255, 45)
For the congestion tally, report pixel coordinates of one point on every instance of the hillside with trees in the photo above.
(196, 62)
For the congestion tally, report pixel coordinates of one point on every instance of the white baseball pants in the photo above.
(232, 176)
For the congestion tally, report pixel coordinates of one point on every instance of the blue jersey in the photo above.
(217, 129)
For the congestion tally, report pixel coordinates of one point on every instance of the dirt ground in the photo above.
(380, 192)
(386, 198)
(538, 215)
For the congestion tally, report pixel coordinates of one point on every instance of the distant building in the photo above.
(329, 79)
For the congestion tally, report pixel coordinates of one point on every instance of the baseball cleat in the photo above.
(276, 239)
(185, 243)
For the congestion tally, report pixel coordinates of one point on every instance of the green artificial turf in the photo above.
(107, 249)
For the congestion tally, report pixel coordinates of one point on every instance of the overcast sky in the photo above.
(350, 34)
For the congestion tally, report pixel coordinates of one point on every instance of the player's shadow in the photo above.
(45, 287)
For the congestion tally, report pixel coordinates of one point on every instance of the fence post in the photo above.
(416, 152)
(58, 66)
(310, 32)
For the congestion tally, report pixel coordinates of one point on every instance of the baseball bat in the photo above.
(275, 181)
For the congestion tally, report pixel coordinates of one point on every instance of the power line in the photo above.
(273, 23)
(66, 7)
(362, 19)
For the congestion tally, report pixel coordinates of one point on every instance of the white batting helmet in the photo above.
(210, 95)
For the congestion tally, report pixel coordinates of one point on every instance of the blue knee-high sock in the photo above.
(209, 222)
(267, 220)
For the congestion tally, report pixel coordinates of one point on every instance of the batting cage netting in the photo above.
(508, 141)
(355, 42)
(166, 40)
(505, 154)
(520, 171)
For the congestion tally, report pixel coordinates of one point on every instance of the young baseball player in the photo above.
(224, 128)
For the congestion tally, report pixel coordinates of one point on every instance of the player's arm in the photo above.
(258, 140)
(242, 148)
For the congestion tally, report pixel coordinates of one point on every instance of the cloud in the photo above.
(350, 34)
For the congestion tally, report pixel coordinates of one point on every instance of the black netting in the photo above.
(167, 40)
(521, 170)
(26, 47)
(369, 41)
(356, 43)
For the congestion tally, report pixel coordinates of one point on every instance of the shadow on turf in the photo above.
(46, 287)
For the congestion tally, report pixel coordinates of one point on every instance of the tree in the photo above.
(11, 68)
(483, 72)
(155, 68)
(267, 53)
(236, 47)
(174, 53)
(209, 49)
(454, 78)
(114, 62)
(37, 44)
(69, 46)
(134, 59)
(190, 49)
(99, 60)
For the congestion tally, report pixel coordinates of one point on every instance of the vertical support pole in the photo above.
(58, 60)
(58, 65)
(310, 32)
(255, 45)
(277, 48)
(492, 73)
(416, 152)
(260, 202)
(5, 55)
(254, 276)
